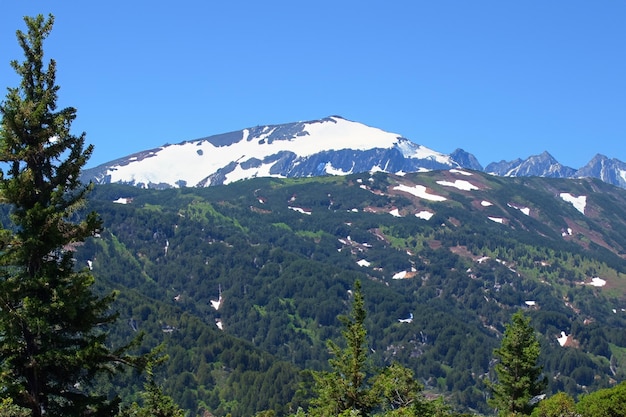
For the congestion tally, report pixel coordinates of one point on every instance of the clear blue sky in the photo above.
(500, 79)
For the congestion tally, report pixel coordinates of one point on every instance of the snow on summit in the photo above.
(332, 145)
(329, 146)
(342, 134)
(193, 161)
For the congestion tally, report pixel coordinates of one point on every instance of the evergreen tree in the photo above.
(156, 403)
(345, 387)
(51, 340)
(559, 405)
(353, 388)
(518, 376)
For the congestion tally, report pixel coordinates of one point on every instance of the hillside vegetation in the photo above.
(243, 283)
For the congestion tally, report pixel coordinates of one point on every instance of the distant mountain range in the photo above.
(330, 146)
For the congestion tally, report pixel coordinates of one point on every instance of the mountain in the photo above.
(243, 283)
(543, 165)
(304, 149)
(612, 171)
(466, 160)
(330, 146)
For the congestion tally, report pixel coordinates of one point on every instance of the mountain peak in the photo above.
(542, 165)
(333, 145)
(608, 170)
(466, 159)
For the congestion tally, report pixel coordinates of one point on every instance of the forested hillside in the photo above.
(462, 288)
(243, 283)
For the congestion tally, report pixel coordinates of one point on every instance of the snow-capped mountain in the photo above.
(608, 170)
(543, 165)
(612, 171)
(330, 146)
(466, 160)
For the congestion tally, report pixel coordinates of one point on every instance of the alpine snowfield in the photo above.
(189, 163)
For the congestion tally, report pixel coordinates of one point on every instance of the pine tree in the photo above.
(345, 388)
(156, 403)
(518, 376)
(354, 388)
(51, 340)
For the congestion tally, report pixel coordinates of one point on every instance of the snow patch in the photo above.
(497, 219)
(524, 210)
(579, 202)
(300, 210)
(424, 214)
(408, 320)
(330, 170)
(486, 203)
(563, 339)
(459, 171)
(460, 184)
(419, 191)
(123, 200)
(216, 304)
(239, 173)
(598, 282)
(395, 213)
(409, 150)
(400, 275)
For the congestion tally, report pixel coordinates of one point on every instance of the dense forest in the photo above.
(280, 256)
